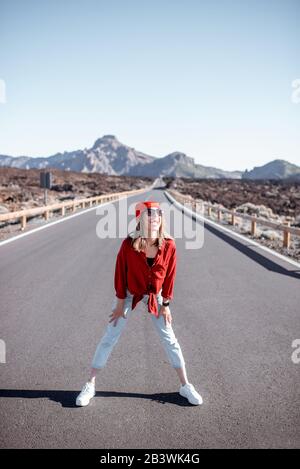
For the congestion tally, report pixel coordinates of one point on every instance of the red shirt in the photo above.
(133, 272)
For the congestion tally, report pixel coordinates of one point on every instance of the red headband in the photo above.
(141, 206)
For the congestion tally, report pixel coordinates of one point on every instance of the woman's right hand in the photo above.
(117, 312)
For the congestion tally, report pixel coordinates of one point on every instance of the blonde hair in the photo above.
(138, 242)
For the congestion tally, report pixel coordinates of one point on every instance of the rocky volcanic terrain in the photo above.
(272, 200)
(282, 197)
(20, 189)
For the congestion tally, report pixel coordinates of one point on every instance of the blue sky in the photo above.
(212, 79)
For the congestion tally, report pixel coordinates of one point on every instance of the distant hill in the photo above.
(111, 157)
(277, 169)
(107, 156)
(180, 165)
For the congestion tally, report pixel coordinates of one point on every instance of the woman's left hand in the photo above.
(165, 311)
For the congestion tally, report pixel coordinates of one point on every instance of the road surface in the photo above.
(235, 314)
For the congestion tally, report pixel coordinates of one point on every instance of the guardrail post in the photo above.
(253, 226)
(63, 209)
(209, 210)
(286, 235)
(219, 214)
(233, 216)
(23, 222)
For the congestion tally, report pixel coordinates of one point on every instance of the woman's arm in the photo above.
(120, 279)
(168, 284)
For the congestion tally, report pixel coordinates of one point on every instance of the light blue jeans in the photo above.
(112, 334)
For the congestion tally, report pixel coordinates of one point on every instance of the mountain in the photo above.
(107, 156)
(276, 169)
(111, 157)
(178, 164)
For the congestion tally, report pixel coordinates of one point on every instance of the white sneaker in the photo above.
(86, 394)
(191, 394)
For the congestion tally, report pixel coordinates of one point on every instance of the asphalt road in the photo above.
(235, 314)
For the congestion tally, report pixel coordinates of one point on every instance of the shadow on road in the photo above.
(68, 398)
(249, 250)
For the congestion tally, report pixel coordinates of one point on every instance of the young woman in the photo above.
(145, 271)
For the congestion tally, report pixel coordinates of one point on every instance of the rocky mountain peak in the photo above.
(180, 157)
(106, 140)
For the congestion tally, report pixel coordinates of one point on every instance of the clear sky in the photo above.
(212, 79)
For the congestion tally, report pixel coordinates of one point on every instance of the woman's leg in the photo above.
(171, 346)
(182, 375)
(103, 350)
(93, 374)
(109, 340)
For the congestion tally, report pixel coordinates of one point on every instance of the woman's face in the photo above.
(151, 222)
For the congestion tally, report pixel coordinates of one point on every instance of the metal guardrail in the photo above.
(234, 216)
(63, 206)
